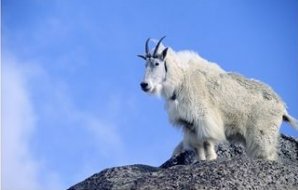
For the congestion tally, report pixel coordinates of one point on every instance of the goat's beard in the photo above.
(157, 90)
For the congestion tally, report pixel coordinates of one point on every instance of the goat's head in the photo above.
(155, 70)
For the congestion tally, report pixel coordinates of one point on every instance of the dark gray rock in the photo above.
(232, 170)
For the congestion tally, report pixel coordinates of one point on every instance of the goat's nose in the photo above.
(144, 85)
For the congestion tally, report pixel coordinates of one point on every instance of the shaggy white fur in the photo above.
(212, 105)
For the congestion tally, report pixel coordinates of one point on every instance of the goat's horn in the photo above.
(147, 46)
(142, 56)
(157, 46)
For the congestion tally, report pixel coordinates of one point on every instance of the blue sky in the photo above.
(71, 101)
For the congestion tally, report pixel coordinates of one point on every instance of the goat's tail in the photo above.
(291, 120)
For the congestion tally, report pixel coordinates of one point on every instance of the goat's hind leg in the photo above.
(262, 144)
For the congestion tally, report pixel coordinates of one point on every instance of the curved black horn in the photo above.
(142, 56)
(147, 46)
(157, 46)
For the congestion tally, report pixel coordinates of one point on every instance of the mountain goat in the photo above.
(212, 105)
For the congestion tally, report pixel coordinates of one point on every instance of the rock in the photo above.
(232, 170)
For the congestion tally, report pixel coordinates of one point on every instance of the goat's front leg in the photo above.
(200, 152)
(209, 148)
(206, 151)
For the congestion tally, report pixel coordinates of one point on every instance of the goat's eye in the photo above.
(156, 64)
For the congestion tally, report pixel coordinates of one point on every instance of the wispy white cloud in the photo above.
(23, 168)
(20, 169)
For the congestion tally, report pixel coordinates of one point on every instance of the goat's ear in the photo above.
(164, 53)
(142, 56)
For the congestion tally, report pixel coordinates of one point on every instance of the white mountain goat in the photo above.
(212, 105)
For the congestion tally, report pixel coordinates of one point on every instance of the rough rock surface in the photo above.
(232, 170)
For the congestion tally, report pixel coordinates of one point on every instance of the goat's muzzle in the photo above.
(144, 86)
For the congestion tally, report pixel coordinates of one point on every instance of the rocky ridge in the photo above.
(232, 170)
